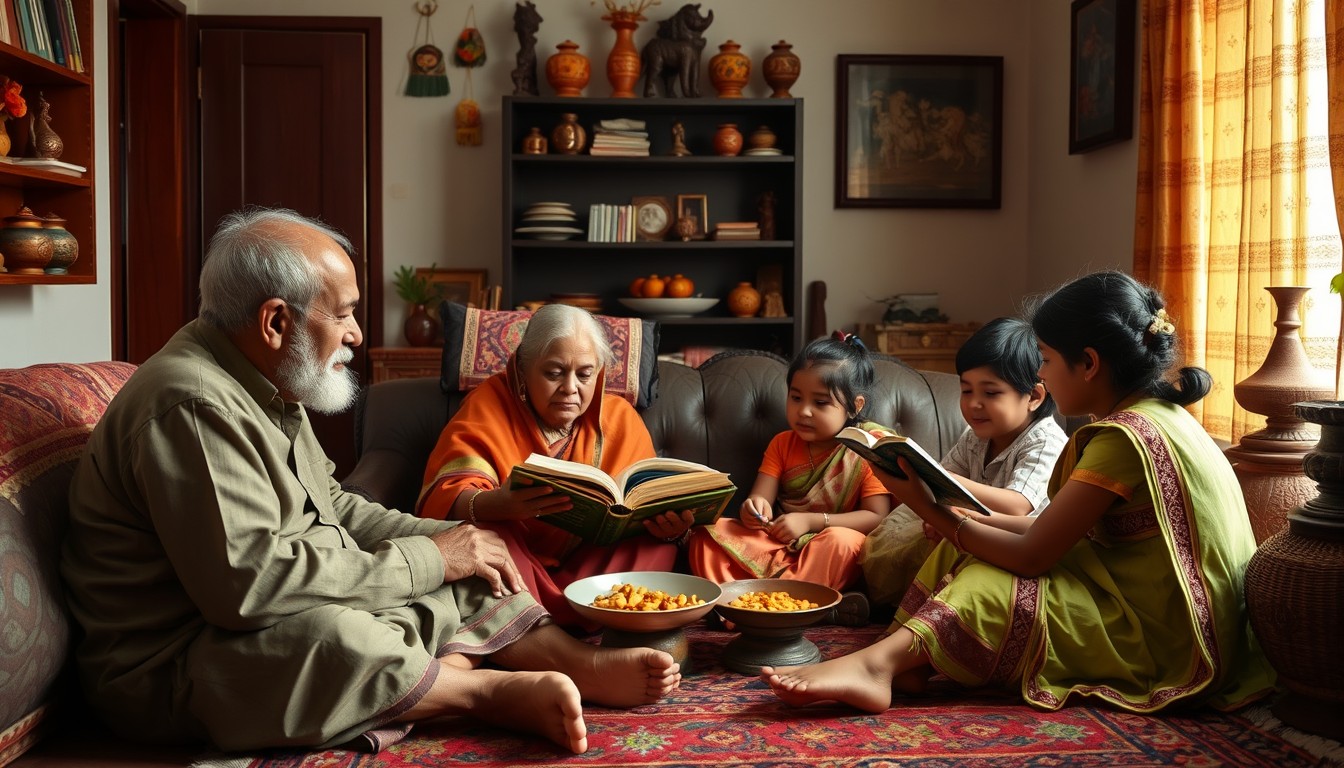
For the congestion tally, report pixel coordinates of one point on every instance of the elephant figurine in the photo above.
(673, 55)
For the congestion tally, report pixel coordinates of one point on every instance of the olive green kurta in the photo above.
(229, 589)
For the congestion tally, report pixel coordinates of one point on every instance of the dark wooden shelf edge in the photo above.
(660, 161)
(9, 278)
(29, 67)
(722, 320)
(677, 245)
(42, 177)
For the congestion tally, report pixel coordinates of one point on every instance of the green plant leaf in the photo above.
(1337, 283)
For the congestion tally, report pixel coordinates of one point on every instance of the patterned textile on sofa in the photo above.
(46, 415)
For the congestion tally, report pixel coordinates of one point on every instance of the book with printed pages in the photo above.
(881, 446)
(609, 509)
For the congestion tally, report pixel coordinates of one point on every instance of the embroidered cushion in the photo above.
(477, 344)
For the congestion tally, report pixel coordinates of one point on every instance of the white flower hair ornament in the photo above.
(1161, 324)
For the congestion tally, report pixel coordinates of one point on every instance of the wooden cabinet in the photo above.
(70, 95)
(405, 362)
(534, 270)
(925, 346)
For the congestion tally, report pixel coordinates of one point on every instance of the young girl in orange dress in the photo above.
(1127, 588)
(813, 500)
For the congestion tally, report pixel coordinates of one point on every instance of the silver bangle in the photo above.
(825, 520)
(471, 506)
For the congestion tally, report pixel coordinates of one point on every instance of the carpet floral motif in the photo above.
(720, 718)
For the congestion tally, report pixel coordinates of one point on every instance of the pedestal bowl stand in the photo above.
(773, 638)
(663, 630)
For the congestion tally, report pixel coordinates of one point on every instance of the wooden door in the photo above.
(288, 117)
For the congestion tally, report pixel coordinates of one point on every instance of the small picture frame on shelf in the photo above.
(653, 217)
(697, 207)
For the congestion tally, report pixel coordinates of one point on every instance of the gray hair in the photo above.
(257, 255)
(552, 323)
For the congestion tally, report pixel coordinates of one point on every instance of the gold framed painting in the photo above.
(464, 286)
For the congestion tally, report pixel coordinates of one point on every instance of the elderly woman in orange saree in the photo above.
(550, 400)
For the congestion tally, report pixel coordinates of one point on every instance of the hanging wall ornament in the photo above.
(429, 72)
(467, 117)
(470, 49)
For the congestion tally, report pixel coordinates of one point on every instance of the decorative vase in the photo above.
(568, 137)
(761, 138)
(727, 140)
(781, 69)
(26, 245)
(421, 329)
(1293, 583)
(5, 143)
(729, 70)
(744, 300)
(1268, 462)
(567, 70)
(43, 139)
(534, 143)
(623, 64)
(64, 246)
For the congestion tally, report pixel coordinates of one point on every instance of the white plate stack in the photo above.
(548, 221)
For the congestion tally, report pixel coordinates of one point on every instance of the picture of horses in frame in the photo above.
(918, 131)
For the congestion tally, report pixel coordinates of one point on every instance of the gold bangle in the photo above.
(956, 533)
(471, 506)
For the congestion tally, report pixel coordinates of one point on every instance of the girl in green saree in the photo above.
(1126, 588)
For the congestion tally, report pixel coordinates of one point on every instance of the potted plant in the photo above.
(418, 291)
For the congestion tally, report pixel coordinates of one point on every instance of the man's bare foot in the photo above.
(847, 679)
(612, 677)
(545, 703)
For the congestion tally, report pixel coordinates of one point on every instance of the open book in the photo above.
(608, 509)
(883, 448)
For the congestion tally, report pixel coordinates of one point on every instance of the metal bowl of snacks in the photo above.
(651, 614)
(771, 614)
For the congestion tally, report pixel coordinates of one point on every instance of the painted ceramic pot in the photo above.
(64, 246)
(744, 300)
(761, 138)
(729, 70)
(623, 65)
(781, 69)
(534, 143)
(569, 138)
(26, 245)
(568, 70)
(727, 140)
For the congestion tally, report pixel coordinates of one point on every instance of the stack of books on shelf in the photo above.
(737, 230)
(46, 28)
(611, 223)
(621, 137)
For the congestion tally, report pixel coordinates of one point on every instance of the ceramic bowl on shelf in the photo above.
(581, 594)
(669, 307)
(549, 233)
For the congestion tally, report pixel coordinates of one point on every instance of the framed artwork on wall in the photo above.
(918, 131)
(464, 286)
(1101, 73)
(697, 207)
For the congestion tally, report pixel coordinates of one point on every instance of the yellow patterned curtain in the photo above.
(1234, 189)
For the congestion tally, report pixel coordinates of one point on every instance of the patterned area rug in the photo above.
(719, 717)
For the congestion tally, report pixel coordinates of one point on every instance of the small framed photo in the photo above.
(1101, 73)
(653, 217)
(697, 207)
(464, 286)
(918, 131)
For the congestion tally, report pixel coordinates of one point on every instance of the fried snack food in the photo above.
(628, 597)
(771, 601)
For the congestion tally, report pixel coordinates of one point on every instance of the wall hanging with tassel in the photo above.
(429, 72)
(467, 117)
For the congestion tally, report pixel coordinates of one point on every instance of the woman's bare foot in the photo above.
(544, 703)
(847, 679)
(612, 677)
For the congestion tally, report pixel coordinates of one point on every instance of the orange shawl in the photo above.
(495, 430)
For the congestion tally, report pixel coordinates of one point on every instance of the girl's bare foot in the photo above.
(847, 679)
(545, 703)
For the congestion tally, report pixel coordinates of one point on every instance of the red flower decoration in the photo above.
(12, 94)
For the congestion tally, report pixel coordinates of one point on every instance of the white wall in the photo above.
(1061, 214)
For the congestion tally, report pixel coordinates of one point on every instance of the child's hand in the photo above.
(932, 533)
(911, 490)
(787, 528)
(756, 513)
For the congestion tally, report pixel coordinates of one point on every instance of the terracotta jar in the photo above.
(64, 246)
(729, 70)
(727, 140)
(5, 143)
(781, 69)
(569, 138)
(534, 143)
(421, 329)
(26, 245)
(568, 70)
(744, 300)
(761, 138)
(623, 64)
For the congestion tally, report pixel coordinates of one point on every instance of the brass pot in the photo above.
(27, 246)
(65, 248)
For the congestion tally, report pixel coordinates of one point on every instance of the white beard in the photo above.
(315, 383)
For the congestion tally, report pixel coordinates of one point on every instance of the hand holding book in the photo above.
(899, 456)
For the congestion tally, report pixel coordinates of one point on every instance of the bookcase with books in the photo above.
(46, 46)
(639, 158)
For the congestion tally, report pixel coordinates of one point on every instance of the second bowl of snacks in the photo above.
(643, 601)
(775, 603)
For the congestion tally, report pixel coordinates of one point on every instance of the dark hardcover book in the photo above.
(881, 446)
(609, 509)
(51, 10)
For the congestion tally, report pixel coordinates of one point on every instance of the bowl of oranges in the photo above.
(664, 297)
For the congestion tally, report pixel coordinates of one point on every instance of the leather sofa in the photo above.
(722, 414)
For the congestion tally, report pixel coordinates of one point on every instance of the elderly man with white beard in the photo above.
(229, 591)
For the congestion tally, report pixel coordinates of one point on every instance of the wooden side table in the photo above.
(405, 362)
(926, 346)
